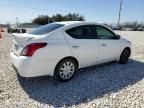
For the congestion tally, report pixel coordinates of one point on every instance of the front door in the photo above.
(109, 45)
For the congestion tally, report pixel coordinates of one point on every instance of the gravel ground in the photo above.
(106, 86)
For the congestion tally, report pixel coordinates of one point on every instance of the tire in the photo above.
(124, 56)
(65, 70)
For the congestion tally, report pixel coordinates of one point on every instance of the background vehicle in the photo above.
(117, 28)
(140, 29)
(14, 29)
(59, 49)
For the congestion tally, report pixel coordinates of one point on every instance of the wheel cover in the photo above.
(67, 70)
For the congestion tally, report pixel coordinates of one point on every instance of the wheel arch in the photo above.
(122, 52)
(128, 49)
(68, 57)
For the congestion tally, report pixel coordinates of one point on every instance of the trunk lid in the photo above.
(20, 41)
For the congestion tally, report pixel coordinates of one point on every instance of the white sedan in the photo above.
(59, 49)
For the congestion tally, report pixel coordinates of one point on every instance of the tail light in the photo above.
(31, 48)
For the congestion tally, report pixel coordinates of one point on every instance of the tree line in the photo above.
(133, 24)
(45, 19)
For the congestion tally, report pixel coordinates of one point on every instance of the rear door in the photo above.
(83, 43)
(109, 45)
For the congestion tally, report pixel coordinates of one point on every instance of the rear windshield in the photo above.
(46, 29)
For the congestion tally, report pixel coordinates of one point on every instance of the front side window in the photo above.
(82, 32)
(104, 33)
(46, 29)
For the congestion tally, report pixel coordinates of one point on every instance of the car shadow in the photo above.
(90, 83)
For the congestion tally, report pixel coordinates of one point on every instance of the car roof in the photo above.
(69, 23)
(75, 22)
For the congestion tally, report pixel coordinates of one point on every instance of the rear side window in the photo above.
(82, 32)
(46, 29)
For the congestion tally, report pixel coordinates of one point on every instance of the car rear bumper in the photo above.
(29, 67)
(21, 64)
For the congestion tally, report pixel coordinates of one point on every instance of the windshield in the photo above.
(46, 29)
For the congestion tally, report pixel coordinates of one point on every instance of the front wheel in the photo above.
(65, 70)
(124, 56)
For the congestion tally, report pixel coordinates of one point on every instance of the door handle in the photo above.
(75, 47)
(103, 45)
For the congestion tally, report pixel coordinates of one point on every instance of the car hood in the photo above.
(125, 40)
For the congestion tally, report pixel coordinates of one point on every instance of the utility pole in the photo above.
(17, 22)
(120, 12)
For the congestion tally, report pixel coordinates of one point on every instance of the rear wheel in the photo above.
(124, 56)
(65, 70)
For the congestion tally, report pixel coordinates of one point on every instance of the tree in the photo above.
(41, 20)
(45, 19)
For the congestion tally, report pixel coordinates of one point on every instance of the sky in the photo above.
(100, 11)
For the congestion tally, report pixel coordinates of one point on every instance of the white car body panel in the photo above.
(86, 51)
(109, 50)
(59, 46)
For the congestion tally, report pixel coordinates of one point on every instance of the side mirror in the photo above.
(118, 36)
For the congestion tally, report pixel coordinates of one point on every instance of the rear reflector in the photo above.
(31, 48)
